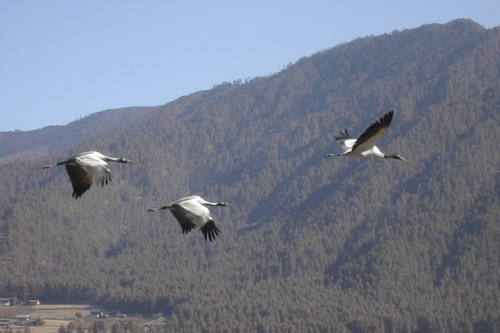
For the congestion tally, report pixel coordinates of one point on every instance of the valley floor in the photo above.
(54, 315)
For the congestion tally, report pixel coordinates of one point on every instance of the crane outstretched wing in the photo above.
(80, 179)
(191, 214)
(95, 167)
(210, 230)
(345, 141)
(367, 140)
(184, 217)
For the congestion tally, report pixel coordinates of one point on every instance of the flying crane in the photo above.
(191, 213)
(86, 166)
(364, 146)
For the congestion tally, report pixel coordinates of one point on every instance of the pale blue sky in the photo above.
(60, 59)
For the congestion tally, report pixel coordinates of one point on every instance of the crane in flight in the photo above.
(364, 146)
(191, 213)
(85, 167)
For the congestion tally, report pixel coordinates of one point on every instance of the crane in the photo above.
(191, 213)
(84, 167)
(364, 146)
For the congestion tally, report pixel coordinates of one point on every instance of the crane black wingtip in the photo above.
(343, 135)
(387, 118)
(210, 230)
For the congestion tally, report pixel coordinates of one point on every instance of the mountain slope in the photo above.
(311, 244)
(20, 145)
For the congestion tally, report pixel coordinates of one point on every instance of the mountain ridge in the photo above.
(22, 145)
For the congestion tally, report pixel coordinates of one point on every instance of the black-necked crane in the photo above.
(364, 146)
(86, 166)
(191, 213)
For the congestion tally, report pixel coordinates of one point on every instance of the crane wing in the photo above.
(95, 166)
(345, 141)
(191, 214)
(80, 179)
(367, 140)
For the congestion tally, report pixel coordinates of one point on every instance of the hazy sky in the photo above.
(60, 60)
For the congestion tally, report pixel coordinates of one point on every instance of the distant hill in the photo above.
(311, 244)
(28, 145)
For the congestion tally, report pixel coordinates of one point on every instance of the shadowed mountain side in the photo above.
(311, 244)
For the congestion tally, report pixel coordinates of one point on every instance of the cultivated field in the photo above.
(53, 315)
(56, 315)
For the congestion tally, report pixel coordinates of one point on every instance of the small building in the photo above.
(98, 313)
(4, 301)
(23, 319)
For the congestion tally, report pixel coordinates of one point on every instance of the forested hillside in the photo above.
(311, 244)
(28, 145)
